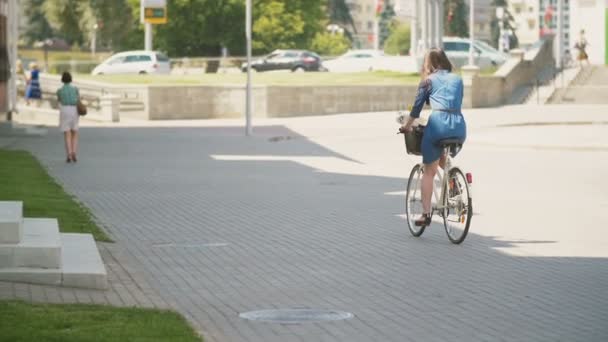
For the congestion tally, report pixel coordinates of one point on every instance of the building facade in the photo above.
(364, 16)
(526, 16)
(592, 17)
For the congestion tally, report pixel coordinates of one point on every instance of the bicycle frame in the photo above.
(443, 181)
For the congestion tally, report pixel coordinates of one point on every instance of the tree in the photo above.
(456, 16)
(398, 43)
(275, 28)
(38, 27)
(339, 14)
(310, 15)
(202, 28)
(386, 21)
(330, 44)
(506, 20)
(115, 22)
(68, 17)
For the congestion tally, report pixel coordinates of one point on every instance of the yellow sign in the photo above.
(155, 15)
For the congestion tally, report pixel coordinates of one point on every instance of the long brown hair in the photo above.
(434, 60)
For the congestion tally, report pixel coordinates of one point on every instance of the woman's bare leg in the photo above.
(74, 143)
(67, 136)
(427, 185)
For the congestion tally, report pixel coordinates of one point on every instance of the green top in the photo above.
(68, 95)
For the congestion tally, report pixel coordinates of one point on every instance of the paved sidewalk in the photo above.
(127, 287)
(306, 214)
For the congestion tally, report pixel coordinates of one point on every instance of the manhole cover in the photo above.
(188, 245)
(295, 316)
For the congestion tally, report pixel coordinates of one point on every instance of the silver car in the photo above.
(484, 55)
(135, 62)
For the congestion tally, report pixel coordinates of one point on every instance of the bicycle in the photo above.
(454, 204)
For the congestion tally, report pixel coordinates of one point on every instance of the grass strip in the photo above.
(21, 321)
(22, 178)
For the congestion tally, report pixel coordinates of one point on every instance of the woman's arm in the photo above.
(422, 97)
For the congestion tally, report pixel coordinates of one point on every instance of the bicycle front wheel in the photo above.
(413, 200)
(458, 206)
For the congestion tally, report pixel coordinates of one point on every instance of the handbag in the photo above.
(81, 108)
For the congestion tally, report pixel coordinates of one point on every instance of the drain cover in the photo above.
(295, 316)
(188, 245)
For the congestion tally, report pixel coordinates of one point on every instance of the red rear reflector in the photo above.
(469, 178)
(309, 59)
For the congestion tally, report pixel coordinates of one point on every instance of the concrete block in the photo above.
(31, 275)
(82, 264)
(40, 246)
(11, 217)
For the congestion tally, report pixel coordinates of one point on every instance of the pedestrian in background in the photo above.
(68, 97)
(581, 46)
(32, 90)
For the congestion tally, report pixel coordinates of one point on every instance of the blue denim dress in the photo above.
(443, 91)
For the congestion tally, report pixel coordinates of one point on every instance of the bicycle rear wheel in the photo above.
(458, 206)
(413, 200)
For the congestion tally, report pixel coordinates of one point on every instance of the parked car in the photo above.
(135, 62)
(354, 61)
(294, 60)
(484, 55)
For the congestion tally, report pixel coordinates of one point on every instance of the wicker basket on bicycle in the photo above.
(413, 140)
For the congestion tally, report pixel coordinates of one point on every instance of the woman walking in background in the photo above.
(68, 97)
(32, 91)
(581, 46)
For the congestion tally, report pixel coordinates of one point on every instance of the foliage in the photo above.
(386, 21)
(398, 43)
(69, 18)
(38, 27)
(456, 18)
(115, 22)
(294, 23)
(276, 29)
(507, 20)
(328, 44)
(202, 27)
(339, 14)
(194, 28)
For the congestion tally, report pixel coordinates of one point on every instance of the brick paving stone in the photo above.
(315, 229)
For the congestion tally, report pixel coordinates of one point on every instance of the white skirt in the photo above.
(68, 118)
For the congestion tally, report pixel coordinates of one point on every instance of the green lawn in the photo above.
(22, 178)
(267, 78)
(64, 323)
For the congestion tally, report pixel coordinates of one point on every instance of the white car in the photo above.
(354, 61)
(457, 50)
(134, 62)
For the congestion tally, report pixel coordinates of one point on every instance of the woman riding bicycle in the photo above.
(443, 90)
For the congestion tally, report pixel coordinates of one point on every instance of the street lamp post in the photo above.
(500, 14)
(471, 31)
(94, 39)
(248, 130)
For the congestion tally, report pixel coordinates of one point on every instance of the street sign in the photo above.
(155, 15)
(153, 11)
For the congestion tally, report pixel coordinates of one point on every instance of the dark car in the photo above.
(294, 60)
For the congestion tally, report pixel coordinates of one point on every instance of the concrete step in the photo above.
(39, 247)
(11, 218)
(81, 266)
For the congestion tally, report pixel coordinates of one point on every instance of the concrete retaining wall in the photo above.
(205, 102)
(521, 70)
